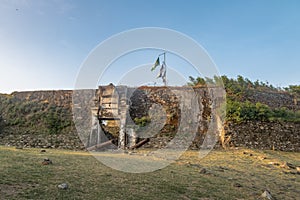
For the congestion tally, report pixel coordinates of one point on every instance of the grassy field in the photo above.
(230, 174)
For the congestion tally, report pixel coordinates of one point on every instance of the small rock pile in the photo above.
(47, 161)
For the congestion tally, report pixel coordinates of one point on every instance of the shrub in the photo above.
(143, 121)
(244, 111)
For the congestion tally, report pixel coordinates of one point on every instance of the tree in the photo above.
(199, 81)
(196, 81)
(294, 89)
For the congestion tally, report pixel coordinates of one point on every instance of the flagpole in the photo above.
(165, 78)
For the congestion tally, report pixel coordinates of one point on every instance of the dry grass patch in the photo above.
(230, 174)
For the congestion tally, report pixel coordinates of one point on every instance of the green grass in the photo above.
(22, 176)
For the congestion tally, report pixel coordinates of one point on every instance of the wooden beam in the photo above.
(139, 144)
(98, 146)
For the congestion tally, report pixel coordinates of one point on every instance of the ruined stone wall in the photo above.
(35, 133)
(274, 99)
(62, 98)
(283, 136)
(263, 135)
(170, 99)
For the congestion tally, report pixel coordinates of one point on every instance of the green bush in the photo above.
(294, 89)
(57, 119)
(143, 121)
(238, 90)
(263, 112)
(34, 117)
(244, 111)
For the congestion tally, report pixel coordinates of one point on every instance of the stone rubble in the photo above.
(63, 186)
(47, 161)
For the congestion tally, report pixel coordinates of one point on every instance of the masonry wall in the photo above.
(264, 135)
(261, 135)
(171, 99)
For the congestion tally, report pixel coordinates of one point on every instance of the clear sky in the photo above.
(44, 42)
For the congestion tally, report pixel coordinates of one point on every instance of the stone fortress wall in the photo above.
(255, 134)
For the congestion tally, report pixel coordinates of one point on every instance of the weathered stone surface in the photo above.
(273, 99)
(62, 98)
(274, 135)
(68, 141)
(63, 186)
(254, 134)
(267, 195)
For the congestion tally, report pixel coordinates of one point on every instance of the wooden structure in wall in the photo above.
(112, 106)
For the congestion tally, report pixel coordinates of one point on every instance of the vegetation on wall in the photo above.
(294, 89)
(34, 117)
(57, 119)
(239, 109)
(245, 111)
(143, 121)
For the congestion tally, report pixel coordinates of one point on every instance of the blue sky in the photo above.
(43, 43)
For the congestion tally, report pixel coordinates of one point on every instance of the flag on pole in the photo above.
(155, 64)
(162, 71)
(164, 74)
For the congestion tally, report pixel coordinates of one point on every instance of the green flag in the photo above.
(155, 64)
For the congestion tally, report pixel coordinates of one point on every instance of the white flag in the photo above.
(162, 71)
